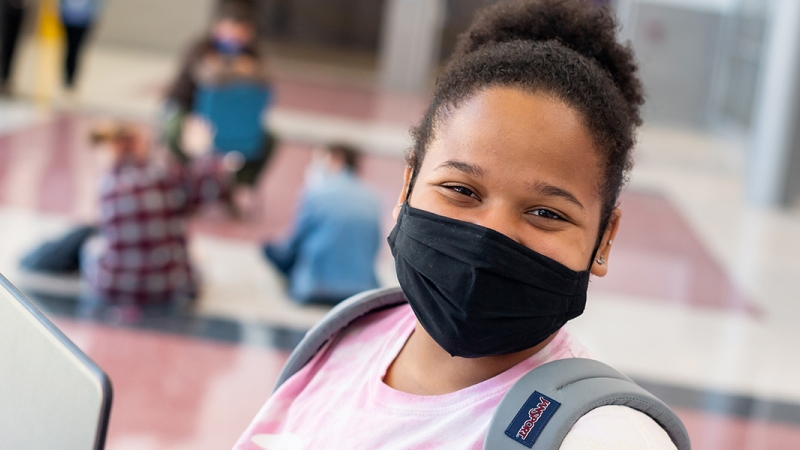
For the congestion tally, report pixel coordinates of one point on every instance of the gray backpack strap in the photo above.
(339, 317)
(541, 408)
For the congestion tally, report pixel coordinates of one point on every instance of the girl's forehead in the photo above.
(511, 130)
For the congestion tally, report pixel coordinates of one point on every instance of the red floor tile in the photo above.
(657, 255)
(173, 392)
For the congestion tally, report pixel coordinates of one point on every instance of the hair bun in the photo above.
(576, 24)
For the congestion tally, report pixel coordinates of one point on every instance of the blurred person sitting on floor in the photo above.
(228, 57)
(330, 254)
(140, 256)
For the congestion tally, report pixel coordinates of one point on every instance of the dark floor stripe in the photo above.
(718, 402)
(166, 321)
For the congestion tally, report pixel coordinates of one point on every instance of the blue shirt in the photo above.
(78, 12)
(336, 238)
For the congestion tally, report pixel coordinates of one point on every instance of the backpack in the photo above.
(539, 409)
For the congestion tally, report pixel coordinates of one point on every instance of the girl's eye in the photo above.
(546, 214)
(462, 190)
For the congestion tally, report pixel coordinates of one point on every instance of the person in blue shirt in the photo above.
(330, 254)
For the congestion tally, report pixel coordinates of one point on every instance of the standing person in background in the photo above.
(12, 14)
(77, 16)
(330, 254)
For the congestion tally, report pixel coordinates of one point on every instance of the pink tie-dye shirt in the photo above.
(339, 401)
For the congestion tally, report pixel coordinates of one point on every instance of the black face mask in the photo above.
(478, 292)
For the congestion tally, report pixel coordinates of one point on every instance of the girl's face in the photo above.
(521, 164)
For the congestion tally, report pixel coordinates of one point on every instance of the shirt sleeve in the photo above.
(616, 427)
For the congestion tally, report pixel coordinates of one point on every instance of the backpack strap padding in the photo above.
(338, 318)
(579, 385)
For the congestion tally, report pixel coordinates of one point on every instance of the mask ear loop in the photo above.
(410, 187)
(594, 252)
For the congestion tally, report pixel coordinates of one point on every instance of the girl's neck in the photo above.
(424, 368)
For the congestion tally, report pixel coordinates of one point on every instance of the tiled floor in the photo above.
(174, 392)
(700, 303)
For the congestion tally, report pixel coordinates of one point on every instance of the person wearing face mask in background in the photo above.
(228, 55)
(330, 253)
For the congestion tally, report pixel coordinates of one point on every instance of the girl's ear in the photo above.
(600, 263)
(403, 192)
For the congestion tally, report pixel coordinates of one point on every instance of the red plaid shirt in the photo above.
(144, 210)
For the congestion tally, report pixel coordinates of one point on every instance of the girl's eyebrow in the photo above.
(469, 169)
(554, 191)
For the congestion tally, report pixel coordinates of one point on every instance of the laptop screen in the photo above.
(51, 394)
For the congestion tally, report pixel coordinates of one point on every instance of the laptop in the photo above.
(51, 394)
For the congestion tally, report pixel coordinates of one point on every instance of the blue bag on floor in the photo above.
(59, 256)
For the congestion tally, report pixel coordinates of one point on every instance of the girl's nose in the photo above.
(501, 220)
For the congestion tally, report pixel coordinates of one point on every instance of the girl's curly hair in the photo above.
(566, 49)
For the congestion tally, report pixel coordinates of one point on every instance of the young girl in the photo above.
(510, 204)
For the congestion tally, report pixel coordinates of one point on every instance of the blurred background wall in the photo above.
(154, 24)
(700, 59)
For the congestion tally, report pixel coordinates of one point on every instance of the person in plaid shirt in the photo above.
(141, 255)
